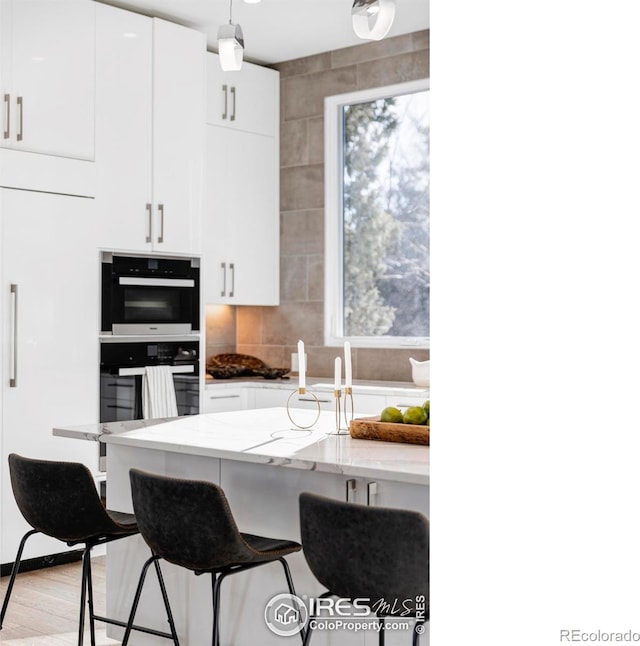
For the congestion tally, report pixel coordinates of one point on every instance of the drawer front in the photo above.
(224, 399)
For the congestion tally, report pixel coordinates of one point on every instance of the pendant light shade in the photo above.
(230, 44)
(372, 19)
(230, 47)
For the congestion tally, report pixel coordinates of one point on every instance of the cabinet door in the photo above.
(242, 218)
(248, 99)
(220, 230)
(123, 128)
(50, 81)
(49, 339)
(219, 400)
(178, 136)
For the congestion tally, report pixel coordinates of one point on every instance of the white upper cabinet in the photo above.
(242, 232)
(47, 76)
(123, 127)
(149, 132)
(178, 135)
(244, 99)
(242, 212)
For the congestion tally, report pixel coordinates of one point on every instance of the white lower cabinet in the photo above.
(49, 309)
(272, 397)
(220, 400)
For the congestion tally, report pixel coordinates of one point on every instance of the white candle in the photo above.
(347, 364)
(338, 373)
(302, 383)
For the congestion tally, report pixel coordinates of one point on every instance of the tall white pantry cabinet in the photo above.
(49, 270)
(48, 249)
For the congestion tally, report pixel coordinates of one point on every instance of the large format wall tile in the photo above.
(302, 232)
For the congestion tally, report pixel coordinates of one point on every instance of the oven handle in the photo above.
(157, 282)
(129, 372)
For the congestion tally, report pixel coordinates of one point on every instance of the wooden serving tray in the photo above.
(371, 428)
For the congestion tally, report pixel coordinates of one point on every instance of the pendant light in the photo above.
(230, 45)
(372, 19)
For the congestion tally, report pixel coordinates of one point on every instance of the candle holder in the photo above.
(302, 391)
(337, 393)
(348, 397)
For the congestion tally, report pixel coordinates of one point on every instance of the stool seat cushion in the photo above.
(268, 548)
(127, 522)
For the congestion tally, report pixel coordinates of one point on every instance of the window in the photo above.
(377, 217)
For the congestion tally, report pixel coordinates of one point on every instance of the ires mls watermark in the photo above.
(286, 614)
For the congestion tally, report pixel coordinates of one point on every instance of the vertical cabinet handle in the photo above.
(161, 212)
(149, 218)
(232, 267)
(223, 266)
(7, 105)
(233, 109)
(372, 492)
(13, 377)
(20, 103)
(224, 90)
(351, 490)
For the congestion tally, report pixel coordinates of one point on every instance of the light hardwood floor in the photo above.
(45, 606)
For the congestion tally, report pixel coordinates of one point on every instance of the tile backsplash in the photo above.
(271, 333)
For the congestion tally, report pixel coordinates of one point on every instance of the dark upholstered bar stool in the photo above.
(189, 523)
(375, 553)
(60, 499)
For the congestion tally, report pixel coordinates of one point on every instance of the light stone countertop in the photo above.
(267, 436)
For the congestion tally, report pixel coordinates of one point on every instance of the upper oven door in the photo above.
(164, 301)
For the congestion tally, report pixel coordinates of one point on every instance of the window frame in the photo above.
(333, 229)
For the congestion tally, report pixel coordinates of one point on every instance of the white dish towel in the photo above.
(158, 393)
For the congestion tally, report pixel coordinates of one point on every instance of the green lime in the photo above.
(415, 415)
(427, 408)
(391, 414)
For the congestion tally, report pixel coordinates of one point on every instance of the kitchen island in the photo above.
(263, 462)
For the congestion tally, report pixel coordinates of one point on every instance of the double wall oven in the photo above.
(150, 317)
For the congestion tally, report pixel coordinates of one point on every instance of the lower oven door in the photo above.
(121, 394)
(121, 398)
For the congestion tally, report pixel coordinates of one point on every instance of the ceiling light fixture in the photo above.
(372, 19)
(230, 45)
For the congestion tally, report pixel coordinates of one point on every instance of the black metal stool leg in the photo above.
(416, 633)
(381, 631)
(287, 574)
(216, 582)
(136, 599)
(92, 625)
(14, 572)
(83, 596)
(307, 634)
(165, 598)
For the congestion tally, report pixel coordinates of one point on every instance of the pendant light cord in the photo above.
(230, 9)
